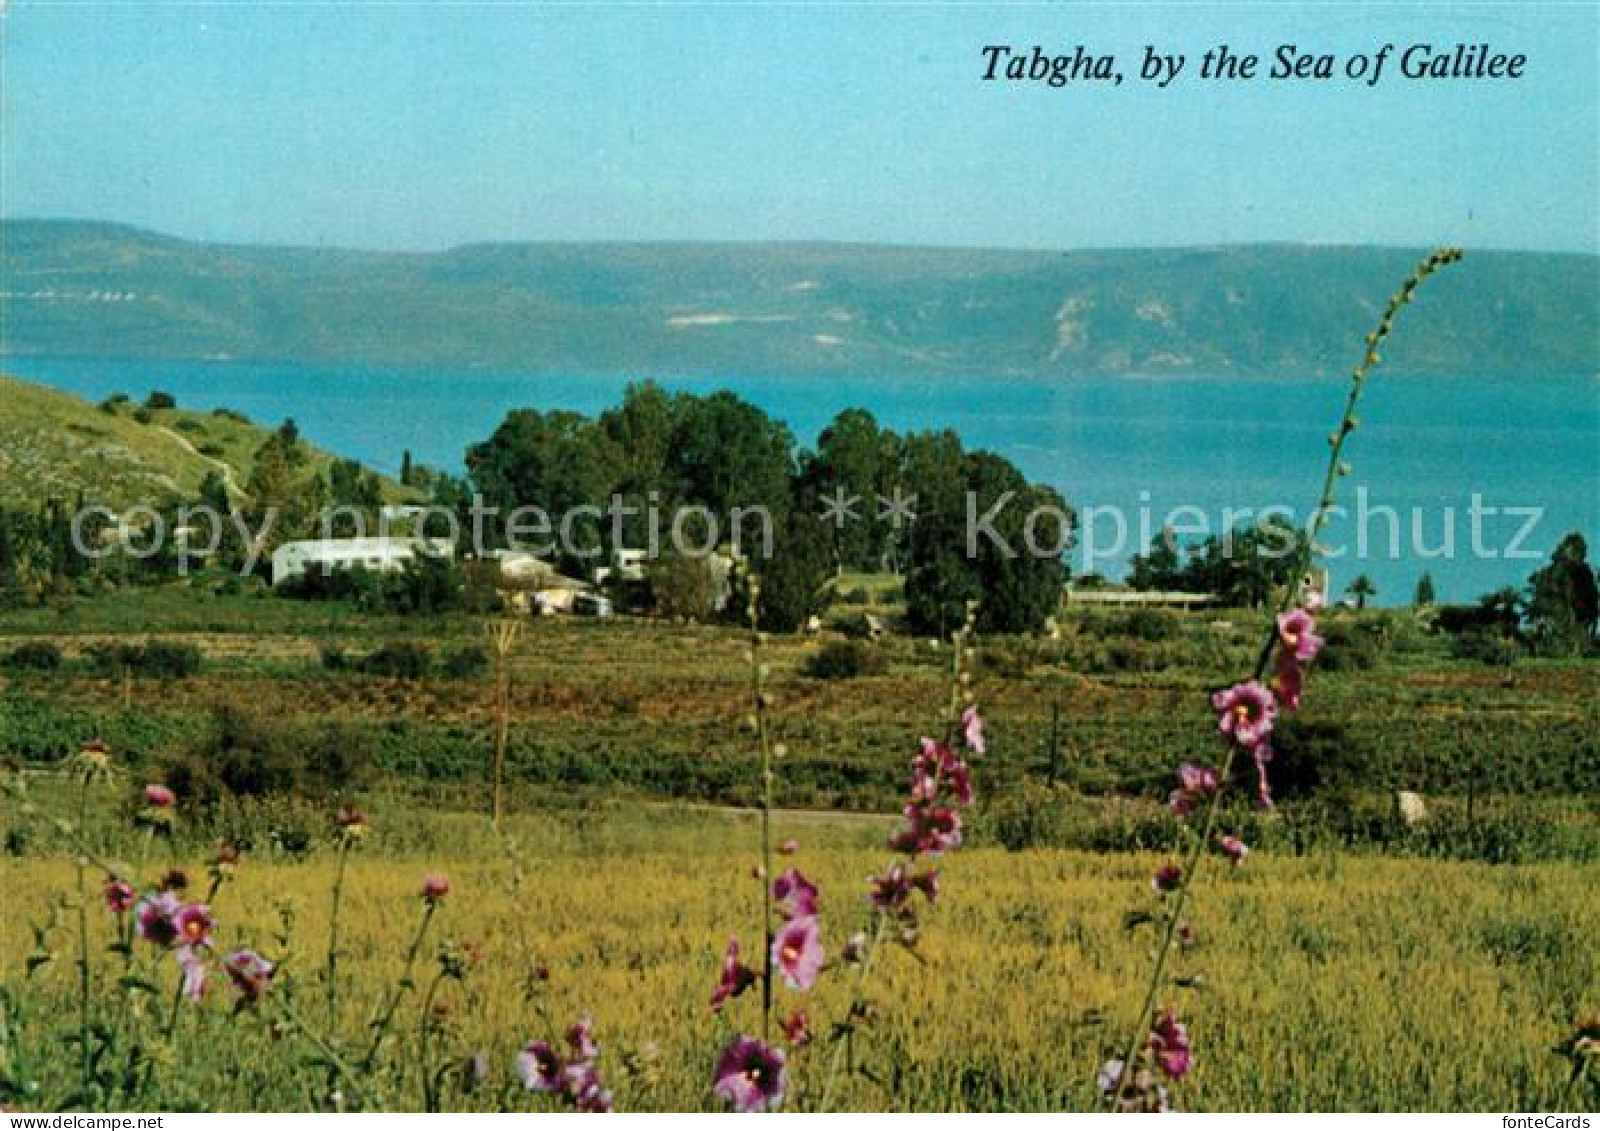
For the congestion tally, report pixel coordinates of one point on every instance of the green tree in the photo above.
(1160, 567)
(856, 460)
(727, 453)
(558, 461)
(1362, 589)
(1425, 595)
(1563, 602)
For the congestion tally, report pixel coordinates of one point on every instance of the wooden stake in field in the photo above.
(503, 636)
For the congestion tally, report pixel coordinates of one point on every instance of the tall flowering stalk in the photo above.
(941, 784)
(753, 1073)
(1158, 1045)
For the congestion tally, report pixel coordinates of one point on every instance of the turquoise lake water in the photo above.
(1140, 446)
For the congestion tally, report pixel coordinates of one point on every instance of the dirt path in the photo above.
(222, 467)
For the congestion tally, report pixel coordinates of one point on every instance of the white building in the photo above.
(383, 555)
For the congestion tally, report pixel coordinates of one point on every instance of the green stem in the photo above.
(1335, 470)
(381, 1024)
(333, 934)
(758, 693)
(430, 1098)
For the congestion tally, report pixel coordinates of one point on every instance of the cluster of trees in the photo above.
(830, 510)
(1556, 614)
(1246, 566)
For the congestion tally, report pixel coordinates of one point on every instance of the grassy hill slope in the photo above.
(55, 445)
(100, 290)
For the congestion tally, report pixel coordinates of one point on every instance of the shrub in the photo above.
(469, 662)
(250, 754)
(143, 415)
(334, 658)
(38, 656)
(1350, 645)
(847, 659)
(1486, 646)
(158, 400)
(1147, 624)
(212, 449)
(159, 658)
(230, 414)
(401, 660)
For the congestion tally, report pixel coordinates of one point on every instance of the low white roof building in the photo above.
(294, 559)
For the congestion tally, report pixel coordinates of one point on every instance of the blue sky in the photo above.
(409, 127)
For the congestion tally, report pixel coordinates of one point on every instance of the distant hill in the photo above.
(100, 290)
(54, 445)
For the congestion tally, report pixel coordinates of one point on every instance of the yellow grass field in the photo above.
(1327, 982)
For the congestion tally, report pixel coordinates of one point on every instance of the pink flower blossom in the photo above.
(119, 896)
(972, 731)
(249, 973)
(789, 847)
(751, 1075)
(795, 895)
(434, 888)
(154, 916)
(937, 764)
(796, 1029)
(1233, 848)
(1297, 632)
(539, 1068)
(1245, 713)
(1169, 1041)
(735, 979)
(930, 829)
(194, 925)
(191, 960)
(580, 1038)
(1288, 681)
(1166, 879)
(797, 952)
(159, 797)
(1195, 784)
(584, 1090)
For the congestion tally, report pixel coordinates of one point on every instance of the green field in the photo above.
(1353, 961)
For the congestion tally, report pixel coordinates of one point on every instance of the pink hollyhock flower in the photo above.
(119, 896)
(1169, 1040)
(796, 1029)
(193, 964)
(1245, 713)
(735, 979)
(435, 887)
(585, 1090)
(789, 847)
(751, 1075)
(580, 1038)
(1233, 848)
(249, 973)
(194, 925)
(927, 883)
(153, 918)
(1195, 784)
(159, 797)
(795, 895)
(972, 731)
(1297, 631)
(797, 952)
(1288, 681)
(889, 891)
(1166, 878)
(931, 829)
(1200, 780)
(934, 764)
(539, 1068)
